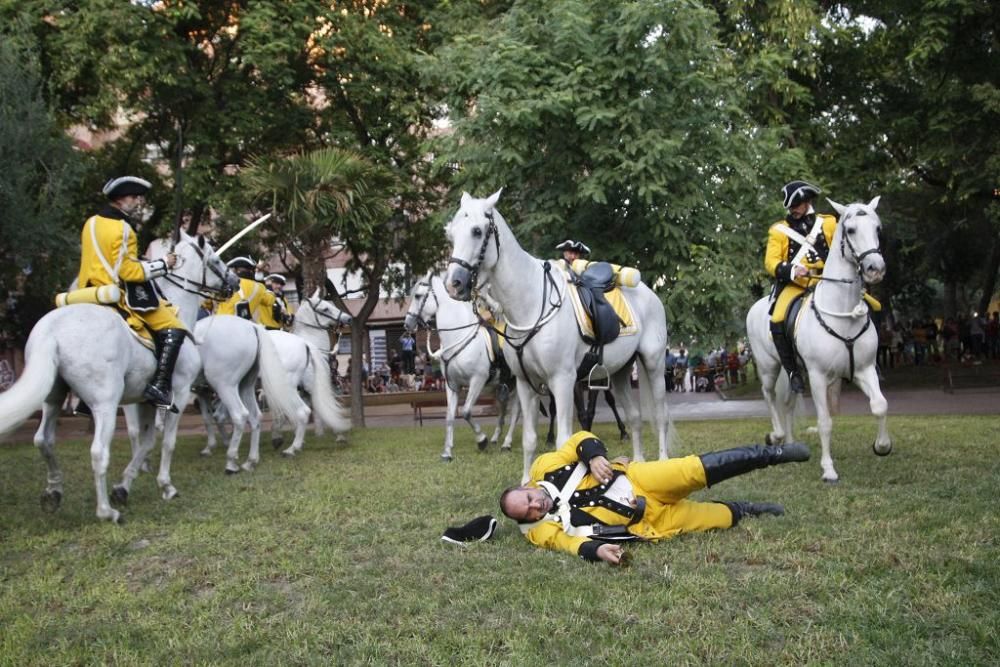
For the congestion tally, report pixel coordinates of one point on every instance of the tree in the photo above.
(320, 196)
(40, 171)
(622, 123)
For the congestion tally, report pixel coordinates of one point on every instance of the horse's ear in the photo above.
(466, 198)
(841, 210)
(874, 202)
(491, 202)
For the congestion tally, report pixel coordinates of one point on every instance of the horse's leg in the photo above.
(302, 425)
(171, 422)
(45, 440)
(277, 426)
(580, 405)
(609, 398)
(475, 388)
(824, 423)
(550, 438)
(561, 387)
(132, 426)
(449, 422)
(769, 375)
(867, 381)
(105, 414)
(528, 399)
(205, 405)
(145, 425)
(249, 395)
(238, 413)
(621, 384)
(515, 412)
(833, 396)
(501, 407)
(652, 363)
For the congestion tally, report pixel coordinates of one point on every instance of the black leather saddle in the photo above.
(591, 285)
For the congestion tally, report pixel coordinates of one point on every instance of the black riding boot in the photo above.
(787, 356)
(158, 391)
(722, 465)
(745, 508)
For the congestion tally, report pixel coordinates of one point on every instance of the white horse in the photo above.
(90, 350)
(833, 335)
(304, 353)
(198, 275)
(233, 352)
(464, 355)
(544, 348)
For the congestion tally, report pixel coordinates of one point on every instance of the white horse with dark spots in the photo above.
(90, 350)
(833, 334)
(464, 355)
(543, 346)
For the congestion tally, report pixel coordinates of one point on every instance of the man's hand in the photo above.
(799, 271)
(600, 468)
(170, 259)
(611, 553)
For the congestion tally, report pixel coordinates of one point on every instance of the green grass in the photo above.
(334, 558)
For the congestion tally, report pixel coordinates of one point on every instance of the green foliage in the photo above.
(621, 123)
(38, 185)
(334, 558)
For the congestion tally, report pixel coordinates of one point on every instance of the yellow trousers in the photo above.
(666, 485)
(164, 317)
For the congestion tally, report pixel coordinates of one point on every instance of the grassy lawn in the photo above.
(334, 558)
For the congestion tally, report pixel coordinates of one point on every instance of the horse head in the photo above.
(475, 242)
(326, 314)
(423, 304)
(858, 231)
(200, 266)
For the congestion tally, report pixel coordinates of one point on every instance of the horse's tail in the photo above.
(29, 392)
(282, 397)
(324, 399)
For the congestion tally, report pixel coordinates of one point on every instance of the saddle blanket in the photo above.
(617, 300)
(494, 342)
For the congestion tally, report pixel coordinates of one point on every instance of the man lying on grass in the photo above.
(580, 502)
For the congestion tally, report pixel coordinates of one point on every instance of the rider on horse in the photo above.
(252, 301)
(281, 316)
(795, 266)
(109, 255)
(572, 251)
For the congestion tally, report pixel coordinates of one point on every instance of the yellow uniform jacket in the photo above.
(781, 250)
(275, 316)
(259, 300)
(661, 487)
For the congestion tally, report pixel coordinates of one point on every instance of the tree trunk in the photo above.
(313, 271)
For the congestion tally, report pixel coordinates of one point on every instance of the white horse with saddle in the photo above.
(833, 334)
(90, 350)
(544, 347)
(467, 355)
(304, 353)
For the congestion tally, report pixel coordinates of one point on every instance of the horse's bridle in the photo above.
(423, 303)
(202, 288)
(334, 321)
(491, 230)
(844, 239)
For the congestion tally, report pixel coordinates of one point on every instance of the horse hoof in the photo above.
(768, 441)
(51, 500)
(230, 471)
(835, 480)
(883, 451)
(119, 496)
(288, 453)
(249, 466)
(277, 442)
(118, 519)
(446, 459)
(169, 493)
(206, 452)
(506, 449)
(483, 442)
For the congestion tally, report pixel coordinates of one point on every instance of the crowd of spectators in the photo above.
(700, 372)
(923, 341)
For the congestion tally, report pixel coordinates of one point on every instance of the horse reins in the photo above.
(201, 289)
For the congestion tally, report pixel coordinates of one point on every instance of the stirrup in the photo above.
(603, 376)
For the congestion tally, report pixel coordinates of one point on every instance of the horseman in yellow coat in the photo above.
(280, 316)
(794, 265)
(579, 502)
(109, 256)
(252, 301)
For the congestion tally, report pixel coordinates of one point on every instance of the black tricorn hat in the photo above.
(124, 186)
(797, 191)
(479, 529)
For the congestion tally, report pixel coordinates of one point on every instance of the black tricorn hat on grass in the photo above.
(479, 529)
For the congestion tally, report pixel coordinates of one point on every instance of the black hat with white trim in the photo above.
(581, 248)
(241, 263)
(479, 529)
(568, 244)
(276, 277)
(125, 186)
(798, 191)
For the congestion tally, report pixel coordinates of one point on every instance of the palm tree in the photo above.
(324, 194)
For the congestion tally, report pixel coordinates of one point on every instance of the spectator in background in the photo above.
(668, 370)
(884, 357)
(408, 346)
(977, 335)
(952, 342)
(919, 332)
